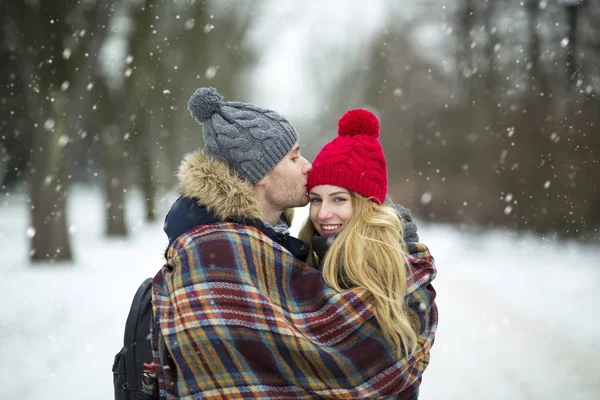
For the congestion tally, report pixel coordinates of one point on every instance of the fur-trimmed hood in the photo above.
(217, 188)
(211, 193)
(220, 190)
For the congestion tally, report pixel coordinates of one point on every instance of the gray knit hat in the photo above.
(249, 139)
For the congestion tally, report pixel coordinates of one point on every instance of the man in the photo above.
(235, 313)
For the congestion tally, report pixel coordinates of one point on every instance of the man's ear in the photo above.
(264, 180)
(260, 184)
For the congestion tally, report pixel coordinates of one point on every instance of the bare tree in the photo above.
(57, 61)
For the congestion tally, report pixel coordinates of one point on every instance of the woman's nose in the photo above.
(324, 212)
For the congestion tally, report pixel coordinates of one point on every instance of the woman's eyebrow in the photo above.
(336, 193)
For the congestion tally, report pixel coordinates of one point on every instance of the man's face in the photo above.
(285, 185)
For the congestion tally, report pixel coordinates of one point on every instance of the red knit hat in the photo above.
(353, 160)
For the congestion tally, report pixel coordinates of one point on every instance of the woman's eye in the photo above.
(315, 200)
(339, 199)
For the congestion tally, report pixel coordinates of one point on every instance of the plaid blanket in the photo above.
(237, 317)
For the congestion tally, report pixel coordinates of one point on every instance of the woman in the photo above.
(356, 239)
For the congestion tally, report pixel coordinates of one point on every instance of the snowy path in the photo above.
(508, 331)
(517, 314)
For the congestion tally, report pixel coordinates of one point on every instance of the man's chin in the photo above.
(303, 202)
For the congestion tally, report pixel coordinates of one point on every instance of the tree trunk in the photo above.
(115, 207)
(55, 112)
(114, 180)
(3, 163)
(146, 165)
(48, 183)
(109, 121)
(571, 47)
(48, 193)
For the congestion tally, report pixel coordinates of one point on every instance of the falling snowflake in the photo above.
(49, 124)
(211, 72)
(63, 140)
(189, 24)
(426, 198)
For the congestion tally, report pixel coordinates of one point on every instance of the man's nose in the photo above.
(307, 167)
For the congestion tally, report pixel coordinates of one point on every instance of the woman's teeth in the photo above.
(330, 227)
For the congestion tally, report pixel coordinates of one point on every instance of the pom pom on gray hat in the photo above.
(204, 103)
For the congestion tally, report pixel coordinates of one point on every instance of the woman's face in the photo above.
(330, 208)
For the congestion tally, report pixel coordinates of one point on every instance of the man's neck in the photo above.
(270, 214)
(271, 217)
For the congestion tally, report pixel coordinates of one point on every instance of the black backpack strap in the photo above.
(131, 330)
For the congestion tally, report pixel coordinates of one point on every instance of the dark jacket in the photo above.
(188, 212)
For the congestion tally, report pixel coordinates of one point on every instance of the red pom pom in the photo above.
(358, 122)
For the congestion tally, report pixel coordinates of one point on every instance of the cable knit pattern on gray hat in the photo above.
(249, 139)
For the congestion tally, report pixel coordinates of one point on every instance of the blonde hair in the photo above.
(370, 253)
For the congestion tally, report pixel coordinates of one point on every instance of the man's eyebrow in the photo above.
(295, 149)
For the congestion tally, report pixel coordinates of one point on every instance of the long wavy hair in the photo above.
(369, 253)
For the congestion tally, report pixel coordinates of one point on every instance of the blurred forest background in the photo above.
(490, 110)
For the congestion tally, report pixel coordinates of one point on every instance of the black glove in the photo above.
(321, 245)
(409, 227)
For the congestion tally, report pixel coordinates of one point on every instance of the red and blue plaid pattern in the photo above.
(237, 317)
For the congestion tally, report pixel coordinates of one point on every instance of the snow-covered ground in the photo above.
(518, 314)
